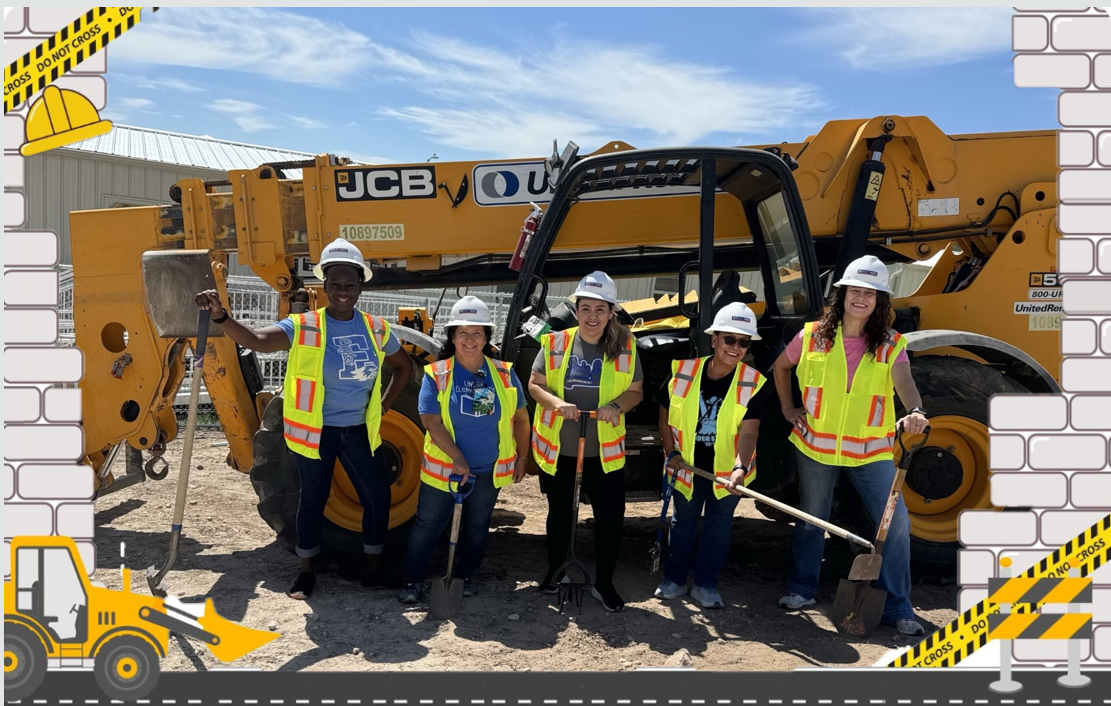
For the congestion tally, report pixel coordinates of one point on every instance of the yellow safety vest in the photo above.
(682, 416)
(847, 428)
(435, 465)
(617, 375)
(303, 403)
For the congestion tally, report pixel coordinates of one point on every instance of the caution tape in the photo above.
(947, 647)
(57, 55)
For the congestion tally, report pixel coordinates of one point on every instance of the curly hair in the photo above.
(875, 329)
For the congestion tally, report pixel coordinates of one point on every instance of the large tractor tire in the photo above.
(274, 477)
(24, 662)
(951, 473)
(126, 668)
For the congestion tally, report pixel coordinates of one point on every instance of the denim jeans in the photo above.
(367, 473)
(434, 511)
(873, 482)
(716, 534)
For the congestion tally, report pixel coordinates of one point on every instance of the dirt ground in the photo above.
(228, 554)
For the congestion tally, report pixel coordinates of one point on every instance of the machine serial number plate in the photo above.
(373, 231)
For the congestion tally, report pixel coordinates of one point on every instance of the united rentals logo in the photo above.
(468, 311)
(743, 318)
(868, 272)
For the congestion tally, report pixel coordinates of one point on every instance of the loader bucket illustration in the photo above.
(235, 641)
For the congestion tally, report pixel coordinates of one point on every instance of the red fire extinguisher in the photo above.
(527, 231)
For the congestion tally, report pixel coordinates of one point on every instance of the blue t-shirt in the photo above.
(474, 413)
(350, 368)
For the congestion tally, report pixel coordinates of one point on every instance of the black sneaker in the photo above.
(609, 598)
(549, 586)
(302, 587)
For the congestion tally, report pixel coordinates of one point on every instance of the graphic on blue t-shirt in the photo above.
(583, 373)
(708, 420)
(476, 395)
(355, 352)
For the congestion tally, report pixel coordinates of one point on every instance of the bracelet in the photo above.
(222, 319)
(615, 406)
(741, 466)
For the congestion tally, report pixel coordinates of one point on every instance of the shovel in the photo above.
(568, 588)
(166, 275)
(656, 552)
(858, 607)
(447, 592)
(782, 507)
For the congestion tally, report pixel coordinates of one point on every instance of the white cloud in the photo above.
(135, 103)
(514, 105)
(159, 83)
(308, 123)
(920, 37)
(244, 114)
(279, 44)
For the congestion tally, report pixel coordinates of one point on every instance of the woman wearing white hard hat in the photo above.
(850, 365)
(710, 419)
(473, 408)
(593, 366)
(333, 402)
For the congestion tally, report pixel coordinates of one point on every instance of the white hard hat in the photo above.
(470, 311)
(341, 252)
(865, 271)
(735, 318)
(597, 285)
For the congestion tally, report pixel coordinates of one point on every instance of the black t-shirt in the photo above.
(711, 393)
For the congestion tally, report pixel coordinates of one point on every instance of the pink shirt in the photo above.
(855, 348)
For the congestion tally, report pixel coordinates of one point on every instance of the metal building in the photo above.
(128, 166)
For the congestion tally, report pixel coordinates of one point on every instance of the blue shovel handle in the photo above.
(457, 479)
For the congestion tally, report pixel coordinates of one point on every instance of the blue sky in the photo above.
(399, 85)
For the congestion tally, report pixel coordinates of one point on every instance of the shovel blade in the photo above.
(171, 279)
(858, 607)
(447, 598)
(866, 567)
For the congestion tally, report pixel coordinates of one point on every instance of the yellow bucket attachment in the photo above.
(235, 640)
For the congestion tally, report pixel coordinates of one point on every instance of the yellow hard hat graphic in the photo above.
(61, 117)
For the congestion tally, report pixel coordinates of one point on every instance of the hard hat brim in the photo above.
(318, 269)
(592, 295)
(847, 282)
(727, 329)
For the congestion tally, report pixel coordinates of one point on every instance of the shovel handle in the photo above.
(458, 480)
(831, 528)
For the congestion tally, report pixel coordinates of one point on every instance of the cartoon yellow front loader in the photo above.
(54, 618)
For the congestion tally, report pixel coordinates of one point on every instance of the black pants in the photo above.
(607, 499)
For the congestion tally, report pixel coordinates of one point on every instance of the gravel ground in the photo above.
(228, 554)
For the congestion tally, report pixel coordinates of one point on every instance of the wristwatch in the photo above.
(222, 319)
(920, 410)
(615, 406)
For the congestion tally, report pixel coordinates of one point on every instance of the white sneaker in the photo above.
(794, 601)
(909, 626)
(669, 589)
(707, 597)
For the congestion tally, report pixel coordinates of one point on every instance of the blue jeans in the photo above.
(873, 482)
(367, 473)
(434, 510)
(716, 534)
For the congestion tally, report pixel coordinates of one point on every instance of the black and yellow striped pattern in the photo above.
(71, 45)
(1039, 591)
(1040, 626)
(1086, 552)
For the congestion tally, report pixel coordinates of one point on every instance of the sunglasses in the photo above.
(736, 341)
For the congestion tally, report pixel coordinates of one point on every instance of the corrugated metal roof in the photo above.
(142, 143)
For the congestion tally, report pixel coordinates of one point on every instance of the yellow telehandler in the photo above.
(980, 207)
